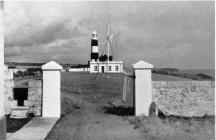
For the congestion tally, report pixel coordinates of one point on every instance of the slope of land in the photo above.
(92, 110)
(84, 97)
(173, 74)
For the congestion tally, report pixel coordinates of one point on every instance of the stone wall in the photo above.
(128, 89)
(180, 98)
(9, 100)
(34, 97)
(184, 98)
(34, 102)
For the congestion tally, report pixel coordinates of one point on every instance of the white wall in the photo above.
(2, 112)
(143, 92)
(1, 64)
(51, 105)
(51, 94)
(8, 73)
(113, 64)
(143, 88)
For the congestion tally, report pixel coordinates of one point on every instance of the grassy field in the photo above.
(175, 128)
(210, 72)
(91, 87)
(92, 109)
(172, 74)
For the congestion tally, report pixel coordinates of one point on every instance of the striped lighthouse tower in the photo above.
(94, 46)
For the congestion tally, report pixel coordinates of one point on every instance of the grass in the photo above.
(92, 87)
(15, 124)
(169, 128)
(173, 74)
(80, 91)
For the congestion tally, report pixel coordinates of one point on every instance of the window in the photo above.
(20, 94)
(116, 68)
(110, 68)
(102, 69)
(95, 68)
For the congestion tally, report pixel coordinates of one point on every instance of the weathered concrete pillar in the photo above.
(2, 112)
(143, 88)
(51, 105)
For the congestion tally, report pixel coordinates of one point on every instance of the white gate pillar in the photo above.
(51, 104)
(2, 102)
(143, 88)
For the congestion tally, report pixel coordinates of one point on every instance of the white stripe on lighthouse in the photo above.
(95, 49)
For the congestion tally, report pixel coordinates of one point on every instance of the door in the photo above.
(102, 69)
(20, 94)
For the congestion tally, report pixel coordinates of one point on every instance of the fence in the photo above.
(180, 98)
(185, 98)
(128, 89)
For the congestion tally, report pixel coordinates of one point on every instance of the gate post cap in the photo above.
(142, 65)
(52, 65)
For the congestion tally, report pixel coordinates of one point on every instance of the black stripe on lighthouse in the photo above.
(94, 47)
(94, 42)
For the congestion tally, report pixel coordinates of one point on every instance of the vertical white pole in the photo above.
(143, 88)
(108, 48)
(51, 105)
(2, 112)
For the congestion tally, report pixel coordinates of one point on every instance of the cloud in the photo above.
(39, 23)
(152, 31)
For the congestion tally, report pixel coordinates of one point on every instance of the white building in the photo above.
(95, 65)
(9, 71)
(104, 67)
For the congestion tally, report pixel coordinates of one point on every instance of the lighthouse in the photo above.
(97, 65)
(94, 47)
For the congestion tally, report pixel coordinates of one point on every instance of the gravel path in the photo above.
(91, 123)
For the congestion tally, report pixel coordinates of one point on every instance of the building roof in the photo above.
(105, 62)
(142, 65)
(10, 66)
(94, 33)
(52, 65)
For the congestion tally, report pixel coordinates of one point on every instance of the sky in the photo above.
(175, 34)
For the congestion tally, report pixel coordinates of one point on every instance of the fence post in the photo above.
(2, 102)
(51, 104)
(143, 88)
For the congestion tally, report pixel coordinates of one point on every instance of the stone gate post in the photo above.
(51, 104)
(2, 103)
(143, 88)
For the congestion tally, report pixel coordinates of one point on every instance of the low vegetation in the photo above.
(15, 124)
(181, 73)
(31, 72)
(175, 127)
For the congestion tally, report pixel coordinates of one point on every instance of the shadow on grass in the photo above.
(119, 110)
(15, 124)
(173, 118)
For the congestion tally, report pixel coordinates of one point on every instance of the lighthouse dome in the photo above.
(94, 33)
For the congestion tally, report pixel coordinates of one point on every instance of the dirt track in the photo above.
(85, 116)
(91, 124)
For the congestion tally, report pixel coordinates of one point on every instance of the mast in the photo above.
(108, 45)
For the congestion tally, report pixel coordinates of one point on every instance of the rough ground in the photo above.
(88, 123)
(90, 111)
(83, 111)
